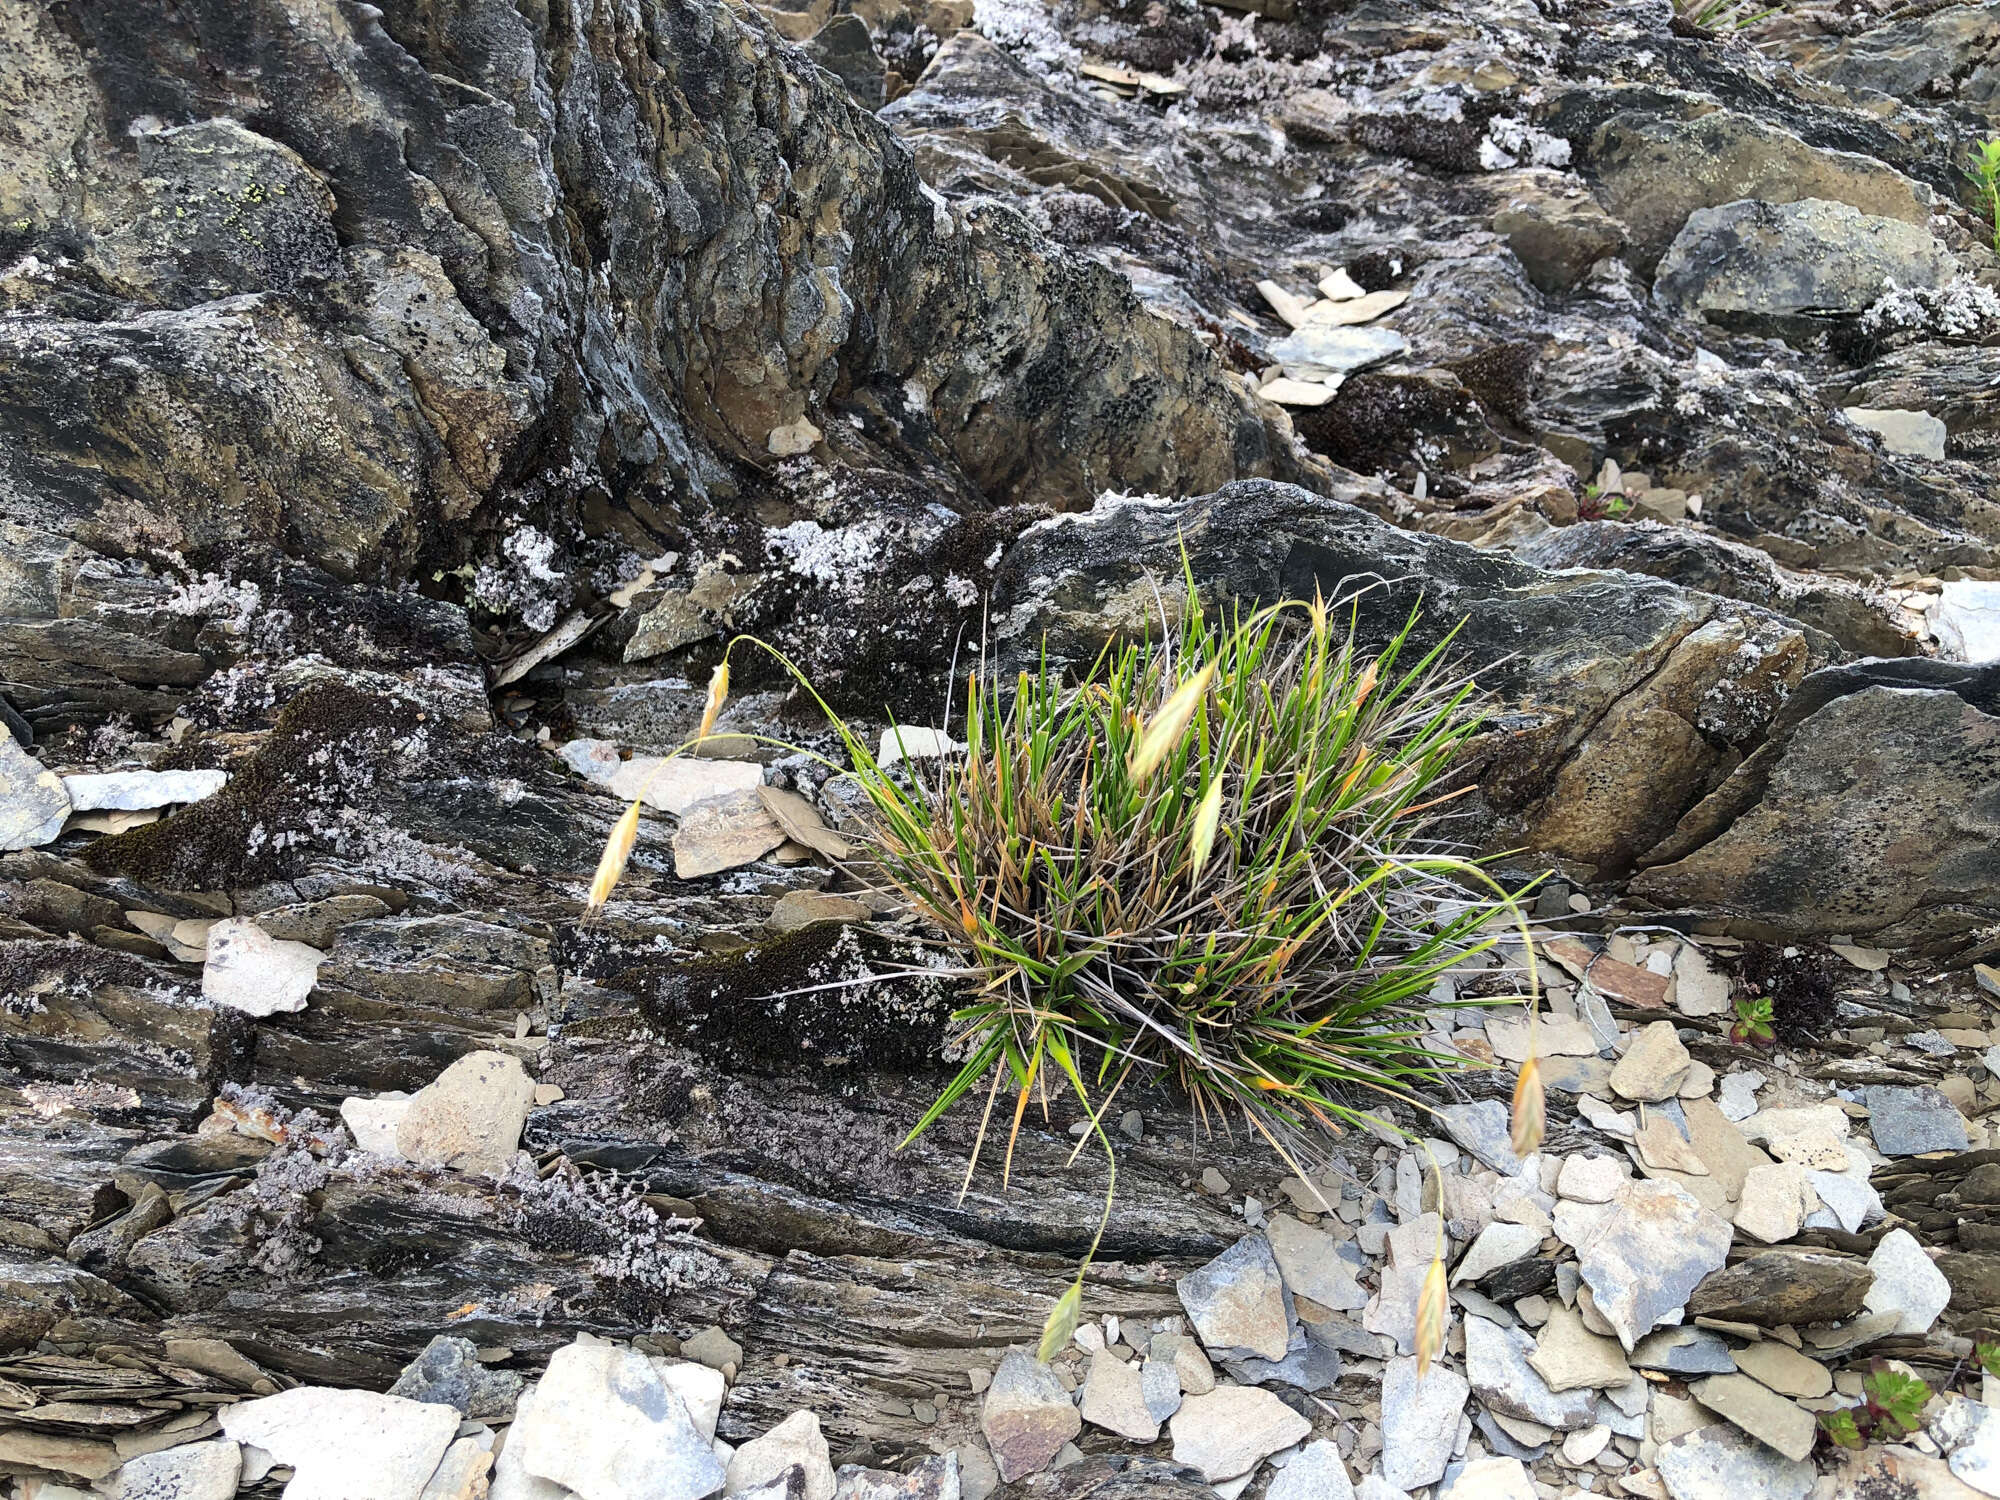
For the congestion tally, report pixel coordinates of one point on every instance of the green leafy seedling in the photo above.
(1841, 1429)
(1895, 1400)
(1892, 1407)
(1753, 1023)
(1985, 174)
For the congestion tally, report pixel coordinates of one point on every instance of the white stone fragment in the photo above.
(249, 970)
(346, 1445)
(914, 742)
(137, 791)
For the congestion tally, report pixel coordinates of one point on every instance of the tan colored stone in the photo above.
(1759, 1411)
(1568, 1355)
(1661, 1148)
(1653, 1066)
(802, 822)
(723, 833)
(1772, 1205)
(797, 909)
(470, 1119)
(1784, 1369)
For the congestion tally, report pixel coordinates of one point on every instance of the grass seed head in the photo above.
(1433, 1304)
(617, 851)
(1530, 1119)
(718, 694)
(1206, 817)
(1164, 730)
(1060, 1326)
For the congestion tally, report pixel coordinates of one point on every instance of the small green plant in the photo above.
(1217, 860)
(1988, 1356)
(1598, 506)
(1892, 1407)
(1985, 174)
(1753, 1023)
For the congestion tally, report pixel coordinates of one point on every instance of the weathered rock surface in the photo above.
(1027, 1416)
(1642, 1253)
(388, 389)
(1237, 1303)
(794, 1442)
(471, 1118)
(34, 802)
(601, 1422)
(1720, 1460)
(1759, 266)
(250, 971)
(1420, 1420)
(1785, 1286)
(1233, 1428)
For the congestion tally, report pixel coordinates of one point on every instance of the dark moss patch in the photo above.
(1323, 216)
(1378, 421)
(1160, 38)
(1501, 379)
(1083, 221)
(1446, 145)
(1379, 270)
(1293, 41)
(784, 1003)
(323, 751)
(1802, 985)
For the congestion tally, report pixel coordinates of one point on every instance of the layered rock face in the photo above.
(389, 339)
(393, 396)
(355, 288)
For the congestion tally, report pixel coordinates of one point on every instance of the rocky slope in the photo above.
(404, 405)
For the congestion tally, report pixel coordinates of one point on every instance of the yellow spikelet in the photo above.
(1531, 1110)
(1432, 1304)
(1206, 817)
(617, 850)
(1061, 1324)
(1164, 730)
(718, 694)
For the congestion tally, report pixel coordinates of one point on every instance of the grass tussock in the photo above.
(1220, 860)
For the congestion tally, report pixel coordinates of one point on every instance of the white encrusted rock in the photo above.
(373, 1122)
(193, 1471)
(346, 1445)
(249, 970)
(1907, 1283)
(33, 801)
(140, 791)
(603, 1424)
(796, 1440)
